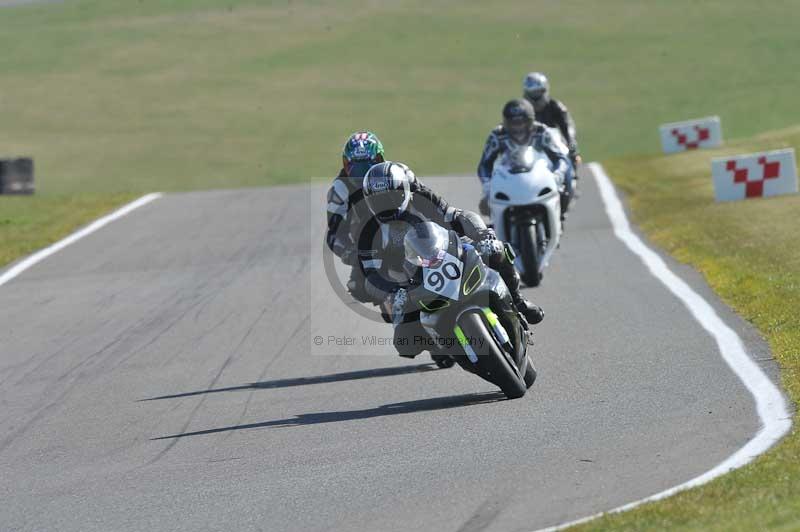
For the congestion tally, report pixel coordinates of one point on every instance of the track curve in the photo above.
(162, 373)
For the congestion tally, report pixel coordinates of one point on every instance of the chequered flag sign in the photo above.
(692, 134)
(754, 175)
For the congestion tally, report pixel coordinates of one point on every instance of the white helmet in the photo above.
(536, 89)
(387, 190)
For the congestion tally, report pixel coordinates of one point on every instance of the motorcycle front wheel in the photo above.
(529, 247)
(530, 374)
(493, 364)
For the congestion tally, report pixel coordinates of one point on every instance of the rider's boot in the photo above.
(566, 198)
(533, 313)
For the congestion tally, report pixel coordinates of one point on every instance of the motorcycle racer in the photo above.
(397, 201)
(345, 206)
(551, 112)
(520, 128)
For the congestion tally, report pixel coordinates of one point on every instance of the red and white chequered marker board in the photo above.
(692, 134)
(755, 175)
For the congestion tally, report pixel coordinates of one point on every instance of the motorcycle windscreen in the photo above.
(519, 160)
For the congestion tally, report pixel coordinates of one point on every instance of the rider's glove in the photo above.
(487, 243)
(487, 233)
(397, 302)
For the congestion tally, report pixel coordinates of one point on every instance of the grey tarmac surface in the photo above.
(161, 374)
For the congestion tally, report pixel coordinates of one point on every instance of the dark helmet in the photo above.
(518, 118)
(362, 150)
(387, 190)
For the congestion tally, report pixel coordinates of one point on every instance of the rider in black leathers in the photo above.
(519, 128)
(551, 112)
(398, 200)
(346, 208)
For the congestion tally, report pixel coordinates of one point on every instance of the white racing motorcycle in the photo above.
(526, 209)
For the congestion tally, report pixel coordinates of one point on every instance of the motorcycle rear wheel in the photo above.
(529, 253)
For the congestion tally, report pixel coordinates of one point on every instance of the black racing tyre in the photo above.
(529, 254)
(530, 373)
(494, 365)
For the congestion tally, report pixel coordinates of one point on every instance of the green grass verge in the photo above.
(126, 97)
(749, 252)
(31, 223)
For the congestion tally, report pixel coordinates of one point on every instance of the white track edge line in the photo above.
(42, 254)
(770, 403)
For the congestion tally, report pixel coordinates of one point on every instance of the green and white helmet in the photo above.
(361, 151)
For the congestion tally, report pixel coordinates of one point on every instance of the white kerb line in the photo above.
(770, 403)
(42, 254)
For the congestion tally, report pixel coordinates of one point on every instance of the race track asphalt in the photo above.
(161, 374)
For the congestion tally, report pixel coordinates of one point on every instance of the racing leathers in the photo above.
(541, 140)
(555, 114)
(346, 212)
(381, 254)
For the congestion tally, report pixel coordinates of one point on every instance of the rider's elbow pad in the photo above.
(471, 224)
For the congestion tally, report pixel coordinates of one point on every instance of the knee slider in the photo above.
(405, 341)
